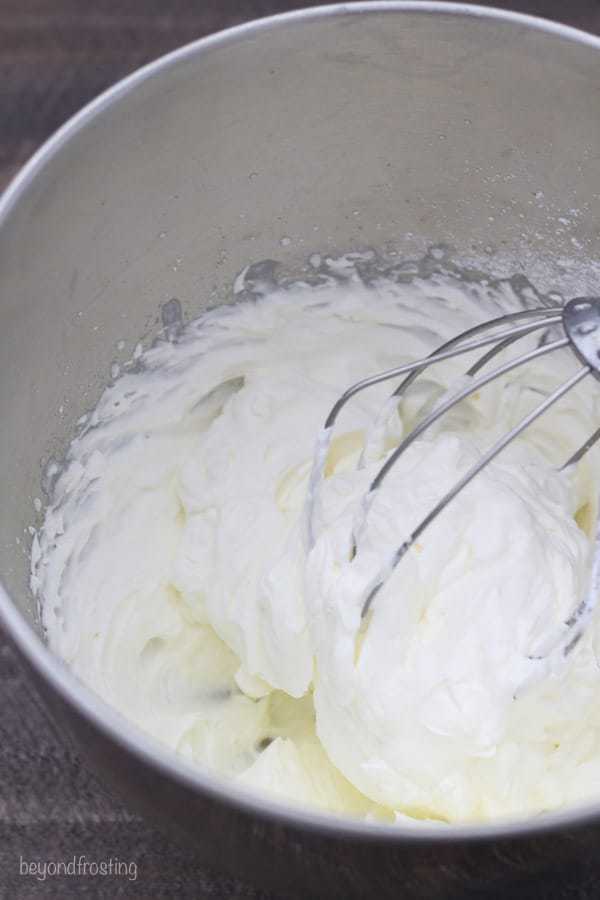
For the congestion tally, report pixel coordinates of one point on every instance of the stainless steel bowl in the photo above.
(334, 128)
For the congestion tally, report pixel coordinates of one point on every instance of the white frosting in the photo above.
(174, 578)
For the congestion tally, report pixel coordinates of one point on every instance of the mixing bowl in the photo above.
(329, 129)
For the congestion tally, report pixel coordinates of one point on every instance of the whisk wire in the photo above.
(580, 453)
(452, 401)
(389, 407)
(429, 361)
(428, 421)
(477, 329)
(456, 347)
(487, 457)
(580, 320)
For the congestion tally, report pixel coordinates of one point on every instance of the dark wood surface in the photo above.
(55, 55)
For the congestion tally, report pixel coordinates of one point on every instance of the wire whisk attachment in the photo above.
(579, 320)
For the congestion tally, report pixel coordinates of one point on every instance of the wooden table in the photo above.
(55, 55)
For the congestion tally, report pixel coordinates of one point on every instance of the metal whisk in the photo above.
(580, 321)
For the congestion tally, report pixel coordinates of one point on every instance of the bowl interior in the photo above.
(386, 126)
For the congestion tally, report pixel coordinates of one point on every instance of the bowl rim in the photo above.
(82, 699)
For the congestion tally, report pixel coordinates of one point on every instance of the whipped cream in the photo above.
(174, 578)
